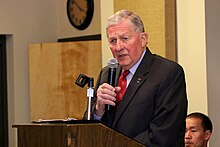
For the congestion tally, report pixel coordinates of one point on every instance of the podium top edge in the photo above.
(59, 122)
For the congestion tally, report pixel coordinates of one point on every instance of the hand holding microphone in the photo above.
(105, 93)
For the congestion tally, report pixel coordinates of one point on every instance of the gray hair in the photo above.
(121, 15)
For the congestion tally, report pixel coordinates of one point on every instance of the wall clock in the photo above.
(80, 13)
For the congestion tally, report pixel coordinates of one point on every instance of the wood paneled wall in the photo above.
(53, 70)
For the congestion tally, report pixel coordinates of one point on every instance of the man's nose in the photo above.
(119, 45)
(187, 135)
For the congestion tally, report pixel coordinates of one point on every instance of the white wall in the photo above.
(198, 52)
(213, 68)
(107, 9)
(192, 51)
(24, 22)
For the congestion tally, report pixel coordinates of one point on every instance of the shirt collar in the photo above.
(134, 68)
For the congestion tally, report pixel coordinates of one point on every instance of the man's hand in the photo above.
(106, 94)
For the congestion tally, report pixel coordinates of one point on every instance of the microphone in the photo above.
(112, 65)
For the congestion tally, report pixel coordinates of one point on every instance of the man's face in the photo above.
(195, 136)
(126, 45)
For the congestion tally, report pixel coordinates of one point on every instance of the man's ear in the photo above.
(144, 39)
(207, 134)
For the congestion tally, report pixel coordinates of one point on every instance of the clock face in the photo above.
(80, 13)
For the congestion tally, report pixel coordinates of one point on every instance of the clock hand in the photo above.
(77, 5)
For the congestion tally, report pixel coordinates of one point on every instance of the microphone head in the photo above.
(112, 63)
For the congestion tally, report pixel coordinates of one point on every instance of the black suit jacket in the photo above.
(154, 107)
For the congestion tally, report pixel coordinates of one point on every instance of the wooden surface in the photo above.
(71, 135)
(42, 136)
(53, 70)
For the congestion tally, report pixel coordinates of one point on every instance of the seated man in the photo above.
(198, 130)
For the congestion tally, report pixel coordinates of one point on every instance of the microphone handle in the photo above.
(111, 81)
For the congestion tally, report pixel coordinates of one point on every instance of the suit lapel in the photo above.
(138, 79)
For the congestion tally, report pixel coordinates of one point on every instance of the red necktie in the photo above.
(122, 82)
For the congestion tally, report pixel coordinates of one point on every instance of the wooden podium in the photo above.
(79, 133)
